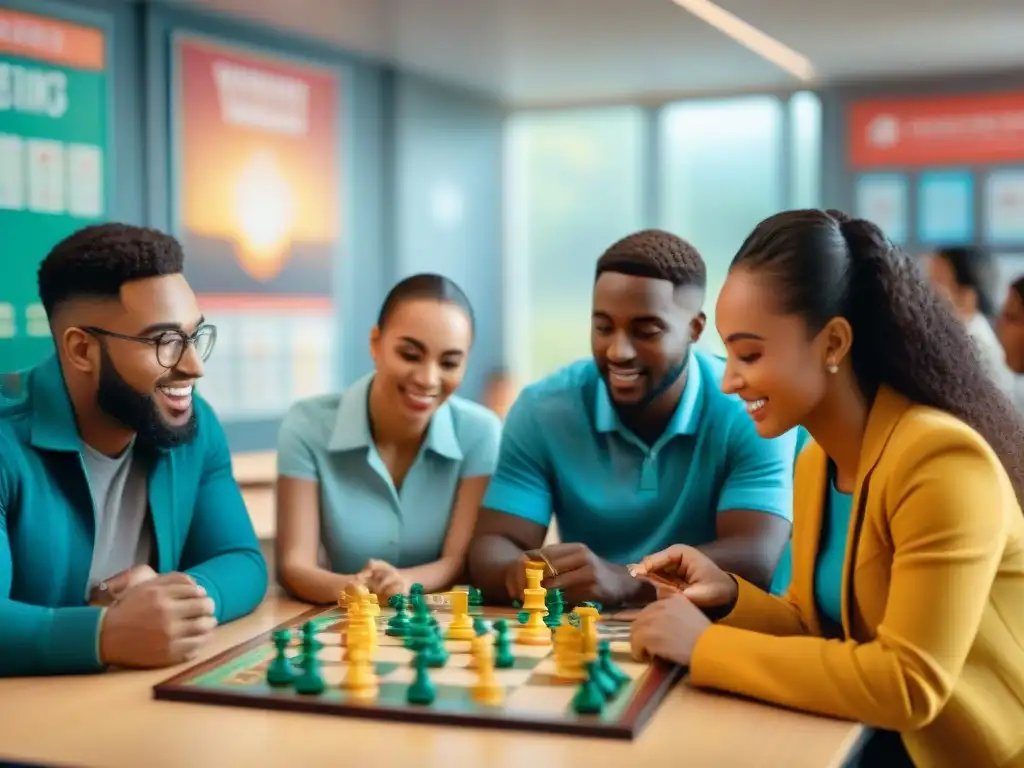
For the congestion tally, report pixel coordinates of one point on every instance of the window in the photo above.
(722, 172)
(575, 186)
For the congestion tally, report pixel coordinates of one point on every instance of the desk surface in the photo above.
(111, 720)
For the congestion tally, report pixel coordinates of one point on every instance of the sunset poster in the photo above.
(258, 211)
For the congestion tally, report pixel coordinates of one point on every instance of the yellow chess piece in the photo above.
(487, 689)
(588, 630)
(354, 626)
(360, 680)
(569, 652)
(355, 593)
(369, 610)
(534, 631)
(461, 625)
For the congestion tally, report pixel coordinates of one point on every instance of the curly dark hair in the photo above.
(656, 254)
(425, 285)
(826, 264)
(96, 261)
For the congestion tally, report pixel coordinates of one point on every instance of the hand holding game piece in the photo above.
(668, 629)
(160, 622)
(695, 574)
(582, 576)
(515, 577)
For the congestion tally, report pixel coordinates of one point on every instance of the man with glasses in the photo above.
(124, 539)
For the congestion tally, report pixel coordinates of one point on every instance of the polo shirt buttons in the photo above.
(649, 474)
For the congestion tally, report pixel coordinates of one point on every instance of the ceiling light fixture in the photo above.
(750, 37)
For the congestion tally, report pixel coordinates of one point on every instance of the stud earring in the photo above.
(832, 368)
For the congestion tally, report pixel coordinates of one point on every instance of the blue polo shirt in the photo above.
(47, 526)
(328, 440)
(566, 454)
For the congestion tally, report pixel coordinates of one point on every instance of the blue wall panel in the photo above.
(448, 191)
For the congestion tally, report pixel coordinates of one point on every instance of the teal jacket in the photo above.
(47, 526)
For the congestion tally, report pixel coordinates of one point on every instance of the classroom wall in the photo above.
(922, 196)
(448, 193)
(422, 181)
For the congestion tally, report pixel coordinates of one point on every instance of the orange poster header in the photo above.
(980, 128)
(51, 40)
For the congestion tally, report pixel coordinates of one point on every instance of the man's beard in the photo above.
(674, 374)
(138, 411)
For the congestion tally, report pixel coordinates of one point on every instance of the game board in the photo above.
(535, 699)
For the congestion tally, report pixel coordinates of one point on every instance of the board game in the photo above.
(448, 663)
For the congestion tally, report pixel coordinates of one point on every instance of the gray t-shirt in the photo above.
(120, 497)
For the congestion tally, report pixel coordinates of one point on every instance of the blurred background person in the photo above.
(965, 276)
(1010, 329)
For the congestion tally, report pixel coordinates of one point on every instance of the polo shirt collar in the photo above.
(352, 428)
(53, 419)
(685, 420)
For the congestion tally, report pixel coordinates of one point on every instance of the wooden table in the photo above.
(111, 720)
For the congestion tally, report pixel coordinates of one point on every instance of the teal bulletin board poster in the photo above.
(53, 162)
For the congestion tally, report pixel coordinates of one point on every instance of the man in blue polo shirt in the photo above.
(123, 536)
(634, 450)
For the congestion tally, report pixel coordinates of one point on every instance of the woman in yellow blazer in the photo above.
(906, 606)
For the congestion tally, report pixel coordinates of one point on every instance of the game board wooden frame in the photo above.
(652, 689)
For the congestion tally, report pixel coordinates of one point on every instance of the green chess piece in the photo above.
(523, 617)
(588, 699)
(608, 665)
(480, 626)
(418, 636)
(435, 652)
(420, 612)
(310, 682)
(476, 597)
(416, 600)
(503, 657)
(556, 607)
(422, 690)
(309, 639)
(398, 625)
(606, 684)
(280, 672)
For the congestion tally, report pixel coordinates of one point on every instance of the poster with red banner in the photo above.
(257, 207)
(973, 129)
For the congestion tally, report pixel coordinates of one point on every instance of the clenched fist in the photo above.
(160, 622)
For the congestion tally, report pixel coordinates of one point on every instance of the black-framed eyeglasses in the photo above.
(170, 346)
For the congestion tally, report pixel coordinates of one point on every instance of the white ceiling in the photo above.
(554, 52)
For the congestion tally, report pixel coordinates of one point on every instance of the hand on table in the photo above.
(383, 579)
(688, 571)
(581, 575)
(118, 583)
(668, 629)
(160, 622)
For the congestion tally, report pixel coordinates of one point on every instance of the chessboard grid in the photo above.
(238, 678)
(533, 670)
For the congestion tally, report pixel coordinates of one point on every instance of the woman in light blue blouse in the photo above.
(387, 477)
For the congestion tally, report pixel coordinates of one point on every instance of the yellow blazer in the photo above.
(932, 639)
